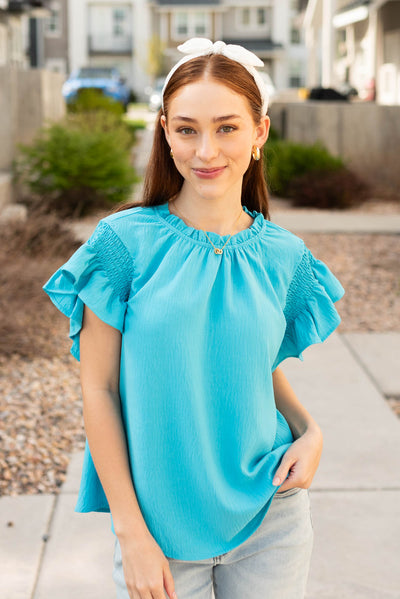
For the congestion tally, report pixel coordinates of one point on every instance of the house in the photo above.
(13, 34)
(31, 30)
(140, 37)
(357, 43)
(111, 33)
(54, 34)
(270, 28)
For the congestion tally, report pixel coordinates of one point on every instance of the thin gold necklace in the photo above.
(216, 250)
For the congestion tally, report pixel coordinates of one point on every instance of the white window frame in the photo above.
(123, 21)
(55, 7)
(191, 24)
(58, 65)
(253, 25)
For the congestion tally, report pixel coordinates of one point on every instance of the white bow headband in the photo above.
(200, 46)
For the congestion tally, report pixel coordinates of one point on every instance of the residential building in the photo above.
(111, 33)
(271, 29)
(355, 42)
(140, 37)
(13, 34)
(24, 29)
(54, 31)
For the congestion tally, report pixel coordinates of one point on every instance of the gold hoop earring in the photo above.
(256, 153)
(171, 154)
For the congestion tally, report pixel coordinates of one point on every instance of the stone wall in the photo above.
(365, 135)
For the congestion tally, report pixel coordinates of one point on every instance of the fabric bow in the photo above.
(200, 46)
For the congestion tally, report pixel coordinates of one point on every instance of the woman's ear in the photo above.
(262, 131)
(164, 125)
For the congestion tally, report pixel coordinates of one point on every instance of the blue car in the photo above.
(105, 79)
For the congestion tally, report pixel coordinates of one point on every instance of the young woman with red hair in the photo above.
(182, 307)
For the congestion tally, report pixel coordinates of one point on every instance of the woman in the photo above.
(182, 307)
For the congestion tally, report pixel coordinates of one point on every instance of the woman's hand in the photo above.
(299, 464)
(146, 569)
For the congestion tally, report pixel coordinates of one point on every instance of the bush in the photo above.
(338, 189)
(89, 100)
(287, 161)
(78, 164)
(273, 135)
(134, 125)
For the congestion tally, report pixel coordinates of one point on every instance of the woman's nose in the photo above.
(207, 148)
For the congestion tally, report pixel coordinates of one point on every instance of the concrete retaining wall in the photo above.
(28, 99)
(365, 135)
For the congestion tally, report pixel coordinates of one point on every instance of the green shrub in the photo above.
(339, 189)
(287, 160)
(79, 164)
(89, 100)
(273, 135)
(134, 125)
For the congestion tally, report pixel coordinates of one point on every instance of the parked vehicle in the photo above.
(107, 80)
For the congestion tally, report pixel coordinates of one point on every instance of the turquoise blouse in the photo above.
(201, 335)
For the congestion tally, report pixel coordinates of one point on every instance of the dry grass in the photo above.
(30, 326)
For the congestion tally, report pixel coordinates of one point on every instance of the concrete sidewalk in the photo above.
(49, 551)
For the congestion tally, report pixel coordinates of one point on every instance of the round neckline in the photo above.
(199, 235)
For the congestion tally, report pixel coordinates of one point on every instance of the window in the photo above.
(190, 24)
(109, 28)
(245, 16)
(261, 16)
(295, 35)
(119, 20)
(52, 25)
(253, 18)
(57, 65)
(181, 23)
(341, 43)
(296, 78)
(200, 26)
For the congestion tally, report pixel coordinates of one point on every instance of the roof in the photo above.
(353, 4)
(186, 2)
(256, 45)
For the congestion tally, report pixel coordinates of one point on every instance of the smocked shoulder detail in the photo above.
(300, 287)
(113, 258)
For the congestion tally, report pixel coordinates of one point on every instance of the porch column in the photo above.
(327, 42)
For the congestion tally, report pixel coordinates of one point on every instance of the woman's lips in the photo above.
(208, 173)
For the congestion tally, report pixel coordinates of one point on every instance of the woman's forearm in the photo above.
(300, 462)
(107, 442)
(288, 404)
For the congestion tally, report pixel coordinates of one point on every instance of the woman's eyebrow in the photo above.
(216, 119)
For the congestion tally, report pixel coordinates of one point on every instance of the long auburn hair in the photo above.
(162, 180)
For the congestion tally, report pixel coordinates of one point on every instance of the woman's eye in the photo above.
(227, 128)
(185, 130)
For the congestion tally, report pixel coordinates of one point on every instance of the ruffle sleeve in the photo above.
(309, 310)
(99, 274)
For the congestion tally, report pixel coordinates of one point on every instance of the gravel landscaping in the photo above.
(40, 406)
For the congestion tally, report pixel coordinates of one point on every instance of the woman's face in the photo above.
(211, 132)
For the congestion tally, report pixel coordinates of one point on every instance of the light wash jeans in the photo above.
(272, 563)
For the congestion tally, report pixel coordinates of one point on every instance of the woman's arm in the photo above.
(301, 460)
(146, 568)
